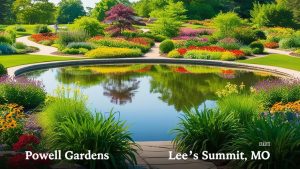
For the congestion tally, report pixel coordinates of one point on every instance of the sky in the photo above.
(86, 3)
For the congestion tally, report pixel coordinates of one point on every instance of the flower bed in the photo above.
(111, 52)
(271, 45)
(282, 107)
(44, 37)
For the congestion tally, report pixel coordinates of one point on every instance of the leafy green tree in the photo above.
(293, 5)
(6, 14)
(226, 23)
(169, 20)
(104, 6)
(91, 25)
(272, 15)
(31, 12)
(69, 10)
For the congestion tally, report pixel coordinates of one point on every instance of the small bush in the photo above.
(74, 51)
(7, 49)
(77, 45)
(20, 45)
(130, 34)
(174, 54)
(260, 34)
(24, 92)
(229, 44)
(208, 130)
(245, 35)
(67, 37)
(166, 46)
(110, 52)
(91, 25)
(226, 23)
(247, 50)
(46, 42)
(201, 54)
(288, 43)
(42, 29)
(228, 56)
(196, 42)
(3, 70)
(6, 38)
(20, 28)
(257, 47)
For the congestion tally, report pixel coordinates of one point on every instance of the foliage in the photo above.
(105, 5)
(69, 10)
(31, 12)
(6, 15)
(292, 5)
(174, 54)
(207, 130)
(247, 50)
(20, 45)
(257, 47)
(22, 91)
(67, 37)
(157, 38)
(119, 43)
(6, 49)
(121, 18)
(77, 45)
(166, 46)
(226, 23)
(75, 51)
(6, 38)
(42, 29)
(202, 54)
(72, 127)
(111, 52)
(229, 43)
(283, 136)
(11, 123)
(199, 42)
(288, 43)
(277, 33)
(272, 15)
(91, 25)
(271, 45)
(245, 35)
(3, 70)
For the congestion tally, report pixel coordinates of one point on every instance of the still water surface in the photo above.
(150, 98)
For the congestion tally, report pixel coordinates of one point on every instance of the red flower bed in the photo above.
(237, 53)
(26, 142)
(181, 70)
(97, 38)
(271, 45)
(141, 41)
(44, 36)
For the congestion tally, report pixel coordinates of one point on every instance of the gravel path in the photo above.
(44, 50)
(276, 51)
(154, 52)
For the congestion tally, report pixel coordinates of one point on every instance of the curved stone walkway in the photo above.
(154, 52)
(43, 50)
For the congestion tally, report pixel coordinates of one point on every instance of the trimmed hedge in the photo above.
(111, 52)
(257, 47)
(166, 46)
(3, 70)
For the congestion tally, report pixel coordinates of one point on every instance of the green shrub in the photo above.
(6, 49)
(166, 46)
(119, 43)
(229, 44)
(245, 35)
(77, 45)
(288, 43)
(28, 49)
(208, 130)
(70, 126)
(257, 47)
(6, 38)
(91, 25)
(174, 54)
(226, 23)
(67, 37)
(46, 42)
(260, 34)
(243, 107)
(130, 34)
(199, 54)
(166, 26)
(228, 56)
(20, 45)
(282, 135)
(24, 92)
(3, 70)
(195, 42)
(74, 51)
(247, 50)
(42, 29)
(110, 52)
(20, 28)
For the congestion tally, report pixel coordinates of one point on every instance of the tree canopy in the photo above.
(69, 10)
(104, 6)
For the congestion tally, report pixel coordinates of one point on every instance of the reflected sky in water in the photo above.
(150, 98)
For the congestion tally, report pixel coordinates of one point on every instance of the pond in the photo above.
(150, 98)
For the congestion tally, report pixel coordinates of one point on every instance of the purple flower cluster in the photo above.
(20, 81)
(270, 84)
(194, 32)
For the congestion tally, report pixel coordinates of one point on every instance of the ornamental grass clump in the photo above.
(69, 125)
(25, 92)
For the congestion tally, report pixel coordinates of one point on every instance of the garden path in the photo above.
(154, 52)
(276, 51)
(44, 50)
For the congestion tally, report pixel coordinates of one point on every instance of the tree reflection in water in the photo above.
(121, 89)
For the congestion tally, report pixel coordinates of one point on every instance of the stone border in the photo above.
(18, 70)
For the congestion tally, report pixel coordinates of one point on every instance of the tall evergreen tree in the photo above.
(69, 10)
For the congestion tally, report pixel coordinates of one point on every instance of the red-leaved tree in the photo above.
(121, 18)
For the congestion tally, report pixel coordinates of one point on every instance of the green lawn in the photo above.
(16, 60)
(276, 60)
